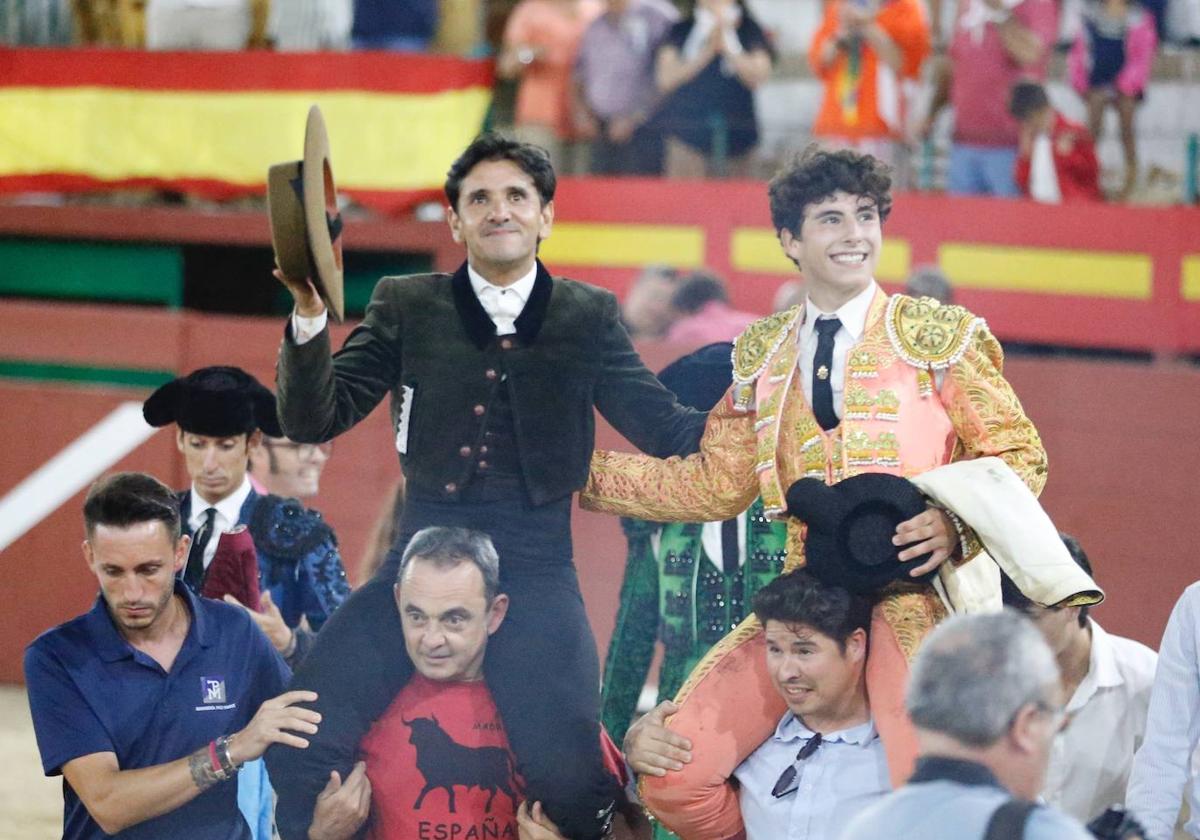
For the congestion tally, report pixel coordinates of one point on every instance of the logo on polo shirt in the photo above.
(212, 690)
(213, 697)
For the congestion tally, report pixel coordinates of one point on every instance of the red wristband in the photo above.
(212, 757)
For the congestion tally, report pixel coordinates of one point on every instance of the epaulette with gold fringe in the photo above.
(754, 349)
(928, 334)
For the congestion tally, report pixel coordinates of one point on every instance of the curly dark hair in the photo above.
(799, 598)
(816, 174)
(533, 160)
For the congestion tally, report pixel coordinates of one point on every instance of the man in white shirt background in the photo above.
(1107, 679)
(1164, 776)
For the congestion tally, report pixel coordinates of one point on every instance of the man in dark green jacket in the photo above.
(494, 373)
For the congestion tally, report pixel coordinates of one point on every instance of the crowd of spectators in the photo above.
(674, 88)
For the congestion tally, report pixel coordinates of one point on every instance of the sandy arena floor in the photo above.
(30, 804)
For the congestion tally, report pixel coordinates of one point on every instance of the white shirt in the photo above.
(1090, 760)
(847, 773)
(853, 315)
(503, 304)
(1162, 767)
(226, 519)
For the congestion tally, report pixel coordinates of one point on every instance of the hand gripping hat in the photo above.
(850, 528)
(306, 228)
(214, 401)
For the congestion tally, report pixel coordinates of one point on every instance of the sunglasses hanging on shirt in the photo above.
(789, 779)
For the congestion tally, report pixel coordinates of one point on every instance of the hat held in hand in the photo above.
(850, 529)
(214, 401)
(234, 569)
(306, 227)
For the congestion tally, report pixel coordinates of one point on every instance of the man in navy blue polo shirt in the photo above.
(149, 703)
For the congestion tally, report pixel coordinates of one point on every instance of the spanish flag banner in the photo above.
(212, 123)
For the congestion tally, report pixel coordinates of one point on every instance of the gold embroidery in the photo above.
(756, 346)
(859, 452)
(887, 406)
(987, 415)
(887, 449)
(911, 613)
(924, 383)
(928, 334)
(857, 402)
(862, 364)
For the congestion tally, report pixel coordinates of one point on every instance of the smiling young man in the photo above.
(148, 704)
(494, 372)
(853, 380)
(825, 762)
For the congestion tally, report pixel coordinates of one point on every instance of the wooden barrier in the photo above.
(1123, 465)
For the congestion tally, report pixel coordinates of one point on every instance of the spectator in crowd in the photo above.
(868, 56)
(540, 47)
(687, 584)
(615, 96)
(1056, 158)
(1109, 65)
(285, 468)
(149, 703)
(703, 312)
(221, 413)
(442, 735)
(646, 312)
(310, 25)
(1107, 679)
(1164, 773)
(396, 25)
(708, 68)
(209, 25)
(929, 281)
(44, 23)
(986, 701)
(995, 43)
(825, 761)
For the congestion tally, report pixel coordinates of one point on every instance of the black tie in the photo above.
(822, 386)
(193, 572)
(729, 546)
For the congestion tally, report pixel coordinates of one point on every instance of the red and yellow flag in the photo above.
(211, 123)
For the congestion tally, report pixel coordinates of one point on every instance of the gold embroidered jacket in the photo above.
(924, 387)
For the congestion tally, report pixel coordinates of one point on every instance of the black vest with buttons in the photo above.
(529, 398)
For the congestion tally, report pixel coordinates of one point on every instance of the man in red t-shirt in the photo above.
(437, 763)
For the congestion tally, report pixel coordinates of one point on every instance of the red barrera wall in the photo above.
(1123, 462)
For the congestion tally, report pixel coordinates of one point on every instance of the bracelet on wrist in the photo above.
(221, 746)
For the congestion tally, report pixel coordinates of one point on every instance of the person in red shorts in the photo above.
(437, 763)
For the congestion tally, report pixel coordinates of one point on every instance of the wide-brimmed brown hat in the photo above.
(306, 228)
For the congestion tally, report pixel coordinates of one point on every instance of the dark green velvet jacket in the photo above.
(430, 334)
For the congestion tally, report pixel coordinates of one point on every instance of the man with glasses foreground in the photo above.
(986, 701)
(825, 761)
(285, 468)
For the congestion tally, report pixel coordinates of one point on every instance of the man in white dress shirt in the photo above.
(1163, 769)
(825, 762)
(1108, 680)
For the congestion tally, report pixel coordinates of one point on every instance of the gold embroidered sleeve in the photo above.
(987, 415)
(718, 482)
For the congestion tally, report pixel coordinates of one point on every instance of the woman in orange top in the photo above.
(866, 53)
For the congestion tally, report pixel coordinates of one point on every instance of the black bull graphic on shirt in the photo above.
(447, 764)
